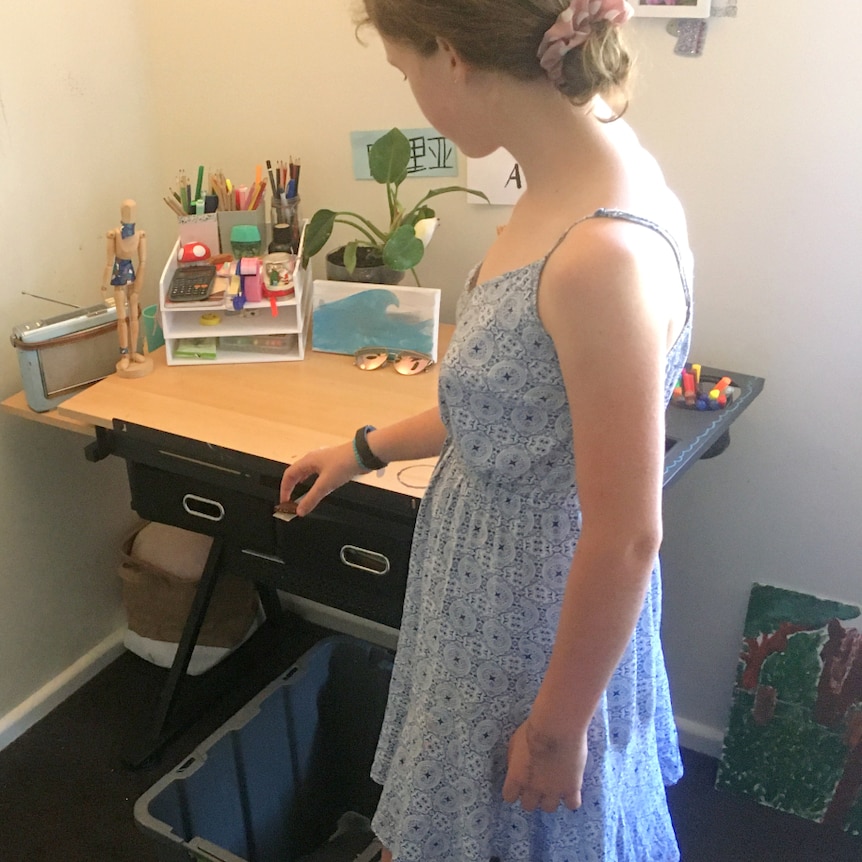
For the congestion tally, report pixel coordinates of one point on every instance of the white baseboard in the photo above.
(692, 734)
(699, 737)
(39, 704)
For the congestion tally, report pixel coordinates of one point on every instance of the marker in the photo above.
(240, 197)
(717, 400)
(272, 181)
(688, 388)
(722, 384)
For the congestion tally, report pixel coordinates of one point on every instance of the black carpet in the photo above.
(65, 793)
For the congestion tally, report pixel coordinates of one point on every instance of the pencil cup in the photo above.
(152, 328)
(286, 225)
(199, 228)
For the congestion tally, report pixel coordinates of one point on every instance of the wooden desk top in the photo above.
(276, 410)
(281, 410)
(18, 406)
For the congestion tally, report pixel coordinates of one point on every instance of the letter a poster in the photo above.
(499, 176)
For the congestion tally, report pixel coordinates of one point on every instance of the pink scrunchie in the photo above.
(573, 26)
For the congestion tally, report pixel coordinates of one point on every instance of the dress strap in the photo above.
(653, 226)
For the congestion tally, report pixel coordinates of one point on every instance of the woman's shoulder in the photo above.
(644, 189)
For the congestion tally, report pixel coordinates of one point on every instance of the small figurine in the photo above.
(126, 248)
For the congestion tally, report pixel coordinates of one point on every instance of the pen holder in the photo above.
(286, 225)
(199, 228)
(153, 333)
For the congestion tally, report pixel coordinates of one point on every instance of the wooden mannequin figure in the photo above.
(124, 245)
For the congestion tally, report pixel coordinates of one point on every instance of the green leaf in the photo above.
(389, 157)
(318, 232)
(350, 256)
(403, 250)
(434, 192)
(427, 212)
(421, 212)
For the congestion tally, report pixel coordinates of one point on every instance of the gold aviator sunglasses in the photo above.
(405, 362)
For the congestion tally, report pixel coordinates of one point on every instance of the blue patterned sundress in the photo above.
(493, 543)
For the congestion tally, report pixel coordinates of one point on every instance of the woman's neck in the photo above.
(554, 142)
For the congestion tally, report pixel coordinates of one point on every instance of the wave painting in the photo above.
(347, 317)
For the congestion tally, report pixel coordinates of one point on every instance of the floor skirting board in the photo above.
(692, 734)
(699, 737)
(40, 703)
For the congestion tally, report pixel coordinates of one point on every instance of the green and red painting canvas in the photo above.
(794, 739)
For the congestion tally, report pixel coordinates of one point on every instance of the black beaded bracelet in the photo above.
(364, 456)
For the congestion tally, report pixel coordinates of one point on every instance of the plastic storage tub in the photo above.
(273, 781)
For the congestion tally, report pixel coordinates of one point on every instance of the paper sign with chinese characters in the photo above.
(431, 155)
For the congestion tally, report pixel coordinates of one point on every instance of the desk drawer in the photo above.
(346, 559)
(195, 504)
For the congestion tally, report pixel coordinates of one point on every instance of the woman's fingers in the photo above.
(511, 791)
(572, 800)
(308, 501)
(332, 467)
(542, 773)
(292, 476)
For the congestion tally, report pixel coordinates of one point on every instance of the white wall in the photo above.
(313, 84)
(74, 142)
(759, 137)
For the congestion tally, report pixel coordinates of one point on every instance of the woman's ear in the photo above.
(457, 65)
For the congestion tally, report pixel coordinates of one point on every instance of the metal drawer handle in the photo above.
(216, 513)
(365, 561)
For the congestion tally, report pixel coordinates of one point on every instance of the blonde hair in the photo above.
(504, 35)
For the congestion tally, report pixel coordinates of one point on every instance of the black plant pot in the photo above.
(373, 273)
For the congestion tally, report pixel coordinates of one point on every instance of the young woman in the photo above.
(529, 716)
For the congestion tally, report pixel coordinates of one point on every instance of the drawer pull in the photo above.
(366, 561)
(201, 507)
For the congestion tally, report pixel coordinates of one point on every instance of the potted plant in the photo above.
(380, 255)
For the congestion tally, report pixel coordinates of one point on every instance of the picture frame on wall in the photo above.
(671, 8)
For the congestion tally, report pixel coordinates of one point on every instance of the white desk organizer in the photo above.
(251, 335)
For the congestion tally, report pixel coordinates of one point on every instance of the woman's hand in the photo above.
(545, 770)
(333, 467)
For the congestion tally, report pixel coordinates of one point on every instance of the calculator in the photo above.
(191, 283)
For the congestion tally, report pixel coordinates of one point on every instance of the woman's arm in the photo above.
(420, 436)
(609, 324)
